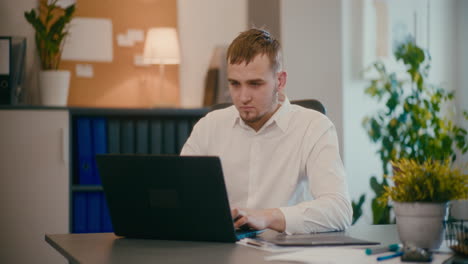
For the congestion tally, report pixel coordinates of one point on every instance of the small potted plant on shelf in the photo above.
(420, 193)
(51, 24)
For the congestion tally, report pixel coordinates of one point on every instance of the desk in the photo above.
(107, 248)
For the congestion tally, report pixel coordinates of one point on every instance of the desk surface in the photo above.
(108, 248)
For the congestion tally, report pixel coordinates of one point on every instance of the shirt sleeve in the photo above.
(331, 208)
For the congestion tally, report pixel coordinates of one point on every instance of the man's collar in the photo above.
(278, 117)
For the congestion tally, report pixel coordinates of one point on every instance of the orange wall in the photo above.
(120, 83)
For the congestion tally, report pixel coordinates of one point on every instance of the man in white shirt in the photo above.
(281, 161)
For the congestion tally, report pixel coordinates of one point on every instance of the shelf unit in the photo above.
(139, 131)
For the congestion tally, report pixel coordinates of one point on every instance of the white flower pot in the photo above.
(420, 224)
(54, 85)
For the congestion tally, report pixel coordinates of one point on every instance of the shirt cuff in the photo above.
(293, 218)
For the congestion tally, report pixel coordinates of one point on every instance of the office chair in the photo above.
(219, 106)
(307, 103)
(311, 104)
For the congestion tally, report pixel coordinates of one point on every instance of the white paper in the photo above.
(89, 39)
(136, 35)
(321, 255)
(138, 60)
(84, 70)
(124, 41)
(338, 255)
(266, 246)
(63, 3)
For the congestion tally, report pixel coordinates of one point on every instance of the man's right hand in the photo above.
(259, 219)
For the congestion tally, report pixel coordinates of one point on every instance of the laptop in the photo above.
(168, 197)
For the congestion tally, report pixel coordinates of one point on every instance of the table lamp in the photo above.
(161, 47)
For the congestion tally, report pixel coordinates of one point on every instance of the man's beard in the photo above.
(273, 106)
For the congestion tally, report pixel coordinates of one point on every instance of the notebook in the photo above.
(168, 197)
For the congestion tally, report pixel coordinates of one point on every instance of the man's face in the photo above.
(253, 88)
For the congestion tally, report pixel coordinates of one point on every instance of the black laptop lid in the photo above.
(166, 197)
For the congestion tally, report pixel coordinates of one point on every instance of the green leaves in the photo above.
(411, 124)
(50, 34)
(357, 208)
(413, 57)
(381, 212)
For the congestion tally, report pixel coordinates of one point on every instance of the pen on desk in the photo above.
(377, 250)
(254, 243)
(400, 253)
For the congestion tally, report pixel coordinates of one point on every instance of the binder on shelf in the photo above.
(12, 69)
(106, 223)
(94, 212)
(142, 140)
(127, 140)
(85, 150)
(80, 216)
(113, 136)
(182, 133)
(169, 137)
(156, 137)
(99, 145)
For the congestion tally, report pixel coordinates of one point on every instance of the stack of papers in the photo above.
(327, 255)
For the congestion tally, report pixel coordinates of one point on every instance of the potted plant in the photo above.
(420, 193)
(411, 124)
(51, 24)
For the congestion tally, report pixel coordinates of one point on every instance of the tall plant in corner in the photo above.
(51, 26)
(411, 125)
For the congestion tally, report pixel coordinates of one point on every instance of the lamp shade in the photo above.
(161, 46)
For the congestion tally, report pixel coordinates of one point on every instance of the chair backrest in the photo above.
(307, 103)
(311, 104)
(219, 106)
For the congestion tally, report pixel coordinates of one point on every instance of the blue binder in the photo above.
(106, 223)
(94, 212)
(85, 155)
(80, 216)
(99, 128)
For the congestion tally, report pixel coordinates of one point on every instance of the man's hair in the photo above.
(251, 43)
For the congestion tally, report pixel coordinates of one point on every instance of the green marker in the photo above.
(377, 250)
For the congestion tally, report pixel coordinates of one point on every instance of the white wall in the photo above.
(13, 23)
(448, 43)
(203, 24)
(360, 158)
(461, 69)
(311, 39)
(442, 43)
